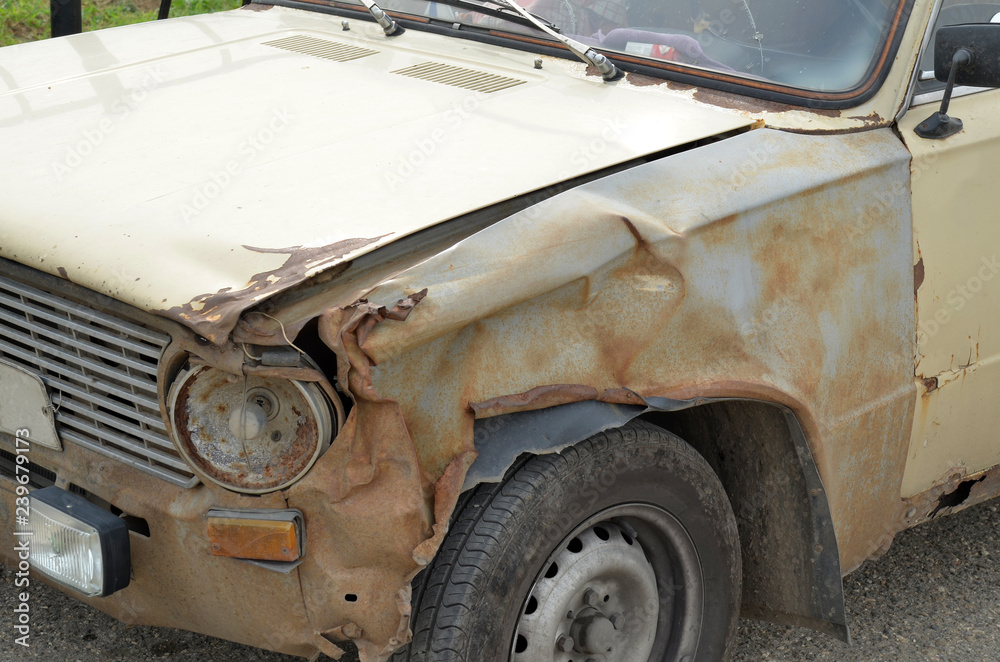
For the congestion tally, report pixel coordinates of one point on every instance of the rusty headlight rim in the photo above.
(318, 411)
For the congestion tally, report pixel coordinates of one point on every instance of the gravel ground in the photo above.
(934, 596)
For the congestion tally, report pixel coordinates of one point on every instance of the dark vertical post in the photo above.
(164, 10)
(66, 17)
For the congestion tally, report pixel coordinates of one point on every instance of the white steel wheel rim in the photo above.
(595, 599)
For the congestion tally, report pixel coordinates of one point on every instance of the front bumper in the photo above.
(176, 581)
(368, 509)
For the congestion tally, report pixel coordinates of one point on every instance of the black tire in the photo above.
(637, 484)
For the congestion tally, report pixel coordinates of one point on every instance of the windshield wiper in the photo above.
(491, 8)
(389, 26)
(608, 70)
(499, 9)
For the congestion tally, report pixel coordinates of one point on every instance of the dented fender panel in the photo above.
(768, 266)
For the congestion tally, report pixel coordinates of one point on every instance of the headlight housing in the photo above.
(76, 544)
(248, 433)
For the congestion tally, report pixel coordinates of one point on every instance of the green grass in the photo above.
(28, 20)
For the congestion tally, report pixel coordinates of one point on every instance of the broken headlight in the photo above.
(248, 433)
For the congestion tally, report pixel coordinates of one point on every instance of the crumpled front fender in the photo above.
(767, 266)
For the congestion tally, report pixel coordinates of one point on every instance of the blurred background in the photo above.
(28, 20)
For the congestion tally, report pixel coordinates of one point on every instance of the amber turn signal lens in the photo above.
(258, 539)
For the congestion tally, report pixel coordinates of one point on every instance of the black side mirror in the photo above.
(963, 55)
(982, 40)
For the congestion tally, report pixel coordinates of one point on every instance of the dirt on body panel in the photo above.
(176, 559)
(758, 267)
(768, 266)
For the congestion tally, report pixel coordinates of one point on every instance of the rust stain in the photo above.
(178, 592)
(930, 384)
(446, 490)
(214, 315)
(870, 121)
(914, 510)
(633, 230)
(374, 497)
(752, 105)
(676, 86)
(948, 496)
(632, 325)
(540, 397)
(543, 397)
(640, 80)
(730, 307)
(213, 454)
(918, 275)
(621, 396)
(297, 374)
(343, 633)
(370, 316)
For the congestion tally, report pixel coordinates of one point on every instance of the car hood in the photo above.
(196, 166)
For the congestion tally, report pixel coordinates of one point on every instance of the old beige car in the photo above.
(476, 330)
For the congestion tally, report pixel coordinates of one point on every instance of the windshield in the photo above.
(818, 45)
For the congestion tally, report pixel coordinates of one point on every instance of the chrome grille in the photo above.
(100, 372)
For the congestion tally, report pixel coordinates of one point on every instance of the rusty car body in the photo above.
(460, 247)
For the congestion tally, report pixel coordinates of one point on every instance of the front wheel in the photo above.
(622, 548)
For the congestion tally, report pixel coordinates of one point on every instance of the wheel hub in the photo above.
(596, 600)
(593, 632)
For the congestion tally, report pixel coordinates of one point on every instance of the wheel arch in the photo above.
(791, 560)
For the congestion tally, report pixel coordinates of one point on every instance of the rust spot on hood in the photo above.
(213, 315)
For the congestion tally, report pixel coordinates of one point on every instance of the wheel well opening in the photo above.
(791, 562)
(783, 519)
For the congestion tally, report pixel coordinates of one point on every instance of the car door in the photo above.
(956, 222)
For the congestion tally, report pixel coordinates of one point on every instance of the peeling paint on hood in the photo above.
(204, 312)
(143, 162)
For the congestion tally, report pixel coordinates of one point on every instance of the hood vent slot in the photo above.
(328, 50)
(469, 79)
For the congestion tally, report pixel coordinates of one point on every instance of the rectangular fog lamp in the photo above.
(77, 544)
(259, 535)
